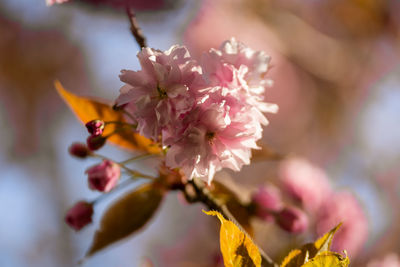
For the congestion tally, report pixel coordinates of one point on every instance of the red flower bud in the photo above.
(79, 150)
(292, 220)
(95, 142)
(95, 127)
(104, 176)
(267, 201)
(79, 215)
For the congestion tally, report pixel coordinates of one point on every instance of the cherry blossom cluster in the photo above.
(207, 114)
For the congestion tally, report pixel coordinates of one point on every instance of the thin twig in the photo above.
(135, 29)
(203, 195)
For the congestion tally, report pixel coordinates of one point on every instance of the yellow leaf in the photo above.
(233, 203)
(328, 259)
(308, 251)
(126, 216)
(324, 243)
(87, 109)
(238, 250)
(293, 259)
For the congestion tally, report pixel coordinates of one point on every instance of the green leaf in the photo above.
(126, 216)
(238, 250)
(87, 109)
(328, 259)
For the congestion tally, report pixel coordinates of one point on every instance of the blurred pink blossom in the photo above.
(104, 176)
(79, 215)
(390, 260)
(344, 207)
(267, 200)
(305, 182)
(292, 219)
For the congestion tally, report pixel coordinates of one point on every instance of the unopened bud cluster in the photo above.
(268, 205)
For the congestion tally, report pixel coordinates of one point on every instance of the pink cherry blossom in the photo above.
(211, 141)
(206, 115)
(242, 69)
(305, 183)
(162, 91)
(344, 207)
(79, 215)
(104, 176)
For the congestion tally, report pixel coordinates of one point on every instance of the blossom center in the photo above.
(161, 92)
(210, 137)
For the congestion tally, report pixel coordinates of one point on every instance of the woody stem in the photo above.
(135, 29)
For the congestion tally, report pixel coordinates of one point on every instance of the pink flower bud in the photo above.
(79, 150)
(95, 127)
(104, 176)
(79, 215)
(95, 142)
(266, 201)
(292, 220)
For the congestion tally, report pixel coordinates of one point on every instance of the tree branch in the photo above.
(202, 194)
(135, 29)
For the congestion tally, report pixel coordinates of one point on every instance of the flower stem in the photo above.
(117, 188)
(121, 123)
(203, 195)
(140, 157)
(135, 174)
(135, 29)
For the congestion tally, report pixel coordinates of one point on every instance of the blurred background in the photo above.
(336, 72)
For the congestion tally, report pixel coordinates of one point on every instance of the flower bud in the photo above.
(104, 176)
(266, 201)
(79, 215)
(292, 220)
(79, 150)
(95, 127)
(95, 142)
